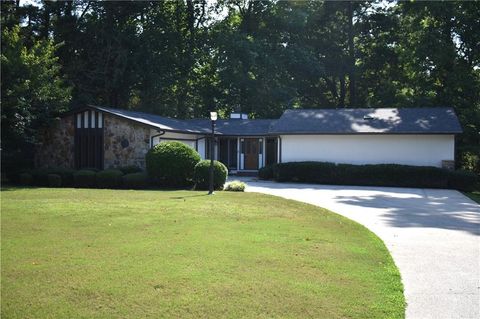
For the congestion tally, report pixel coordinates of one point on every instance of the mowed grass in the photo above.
(475, 196)
(79, 253)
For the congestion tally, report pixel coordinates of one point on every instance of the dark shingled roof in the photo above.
(428, 120)
(237, 127)
(425, 120)
(156, 121)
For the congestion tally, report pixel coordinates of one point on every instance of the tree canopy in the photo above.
(184, 58)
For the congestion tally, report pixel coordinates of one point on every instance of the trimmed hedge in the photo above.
(462, 180)
(372, 175)
(172, 163)
(54, 180)
(135, 181)
(40, 176)
(66, 174)
(25, 179)
(130, 169)
(109, 178)
(84, 179)
(266, 172)
(201, 175)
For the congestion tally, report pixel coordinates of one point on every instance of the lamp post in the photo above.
(213, 117)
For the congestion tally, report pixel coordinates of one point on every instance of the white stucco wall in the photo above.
(422, 150)
(188, 139)
(201, 147)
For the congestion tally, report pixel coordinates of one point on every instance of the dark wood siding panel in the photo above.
(88, 141)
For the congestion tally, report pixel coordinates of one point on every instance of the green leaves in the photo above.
(33, 92)
(184, 58)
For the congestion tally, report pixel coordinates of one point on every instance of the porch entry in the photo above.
(246, 153)
(251, 150)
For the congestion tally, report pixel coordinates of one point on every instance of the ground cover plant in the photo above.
(235, 186)
(96, 253)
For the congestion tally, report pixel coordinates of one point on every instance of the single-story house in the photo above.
(104, 137)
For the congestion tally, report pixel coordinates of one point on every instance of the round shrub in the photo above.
(109, 178)
(202, 174)
(172, 163)
(54, 180)
(25, 179)
(135, 181)
(84, 178)
(235, 186)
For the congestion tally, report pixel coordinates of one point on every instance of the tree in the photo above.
(33, 93)
(182, 58)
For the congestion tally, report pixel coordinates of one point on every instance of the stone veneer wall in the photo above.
(125, 142)
(56, 145)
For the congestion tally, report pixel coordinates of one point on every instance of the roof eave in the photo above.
(367, 133)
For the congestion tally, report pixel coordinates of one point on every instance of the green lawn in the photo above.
(475, 195)
(77, 253)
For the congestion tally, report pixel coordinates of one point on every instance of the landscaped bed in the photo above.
(69, 253)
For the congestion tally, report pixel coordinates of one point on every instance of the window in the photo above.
(271, 151)
(228, 152)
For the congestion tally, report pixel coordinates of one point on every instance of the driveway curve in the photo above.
(432, 234)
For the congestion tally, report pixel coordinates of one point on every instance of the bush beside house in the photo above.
(25, 179)
(370, 175)
(110, 178)
(131, 169)
(201, 175)
(172, 164)
(266, 172)
(135, 181)
(54, 180)
(84, 179)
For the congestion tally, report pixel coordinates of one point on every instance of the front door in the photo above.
(251, 153)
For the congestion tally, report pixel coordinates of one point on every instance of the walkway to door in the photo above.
(433, 236)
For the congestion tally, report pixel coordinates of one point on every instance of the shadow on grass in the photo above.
(189, 196)
(10, 187)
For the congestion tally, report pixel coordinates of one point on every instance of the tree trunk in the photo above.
(46, 21)
(351, 53)
(341, 101)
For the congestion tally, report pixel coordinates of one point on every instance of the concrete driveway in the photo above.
(433, 236)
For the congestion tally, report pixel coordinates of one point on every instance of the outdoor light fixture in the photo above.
(213, 117)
